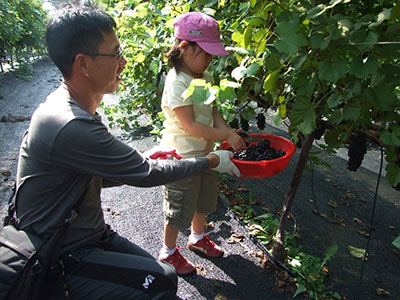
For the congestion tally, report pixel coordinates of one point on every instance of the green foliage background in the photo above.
(23, 26)
(328, 65)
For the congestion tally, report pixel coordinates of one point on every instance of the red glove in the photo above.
(165, 155)
(162, 152)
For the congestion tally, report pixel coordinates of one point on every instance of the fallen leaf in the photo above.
(280, 284)
(315, 212)
(363, 233)
(338, 220)
(357, 252)
(314, 277)
(382, 292)
(210, 224)
(220, 297)
(200, 270)
(258, 202)
(235, 238)
(5, 172)
(332, 204)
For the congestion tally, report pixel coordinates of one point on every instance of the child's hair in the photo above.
(174, 55)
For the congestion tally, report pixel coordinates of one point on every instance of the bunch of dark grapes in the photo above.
(261, 121)
(260, 151)
(356, 151)
(234, 123)
(244, 124)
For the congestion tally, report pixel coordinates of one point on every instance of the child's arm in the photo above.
(233, 138)
(186, 117)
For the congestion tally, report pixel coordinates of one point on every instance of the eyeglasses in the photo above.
(118, 56)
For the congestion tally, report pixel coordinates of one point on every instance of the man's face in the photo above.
(104, 72)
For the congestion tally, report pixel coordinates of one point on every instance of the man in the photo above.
(68, 154)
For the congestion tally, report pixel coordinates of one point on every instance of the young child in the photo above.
(191, 129)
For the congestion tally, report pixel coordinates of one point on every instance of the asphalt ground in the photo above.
(344, 200)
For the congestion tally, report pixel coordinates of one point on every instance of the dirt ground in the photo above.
(344, 199)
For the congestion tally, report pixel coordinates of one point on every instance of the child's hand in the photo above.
(235, 140)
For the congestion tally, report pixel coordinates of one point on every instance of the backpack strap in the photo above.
(10, 219)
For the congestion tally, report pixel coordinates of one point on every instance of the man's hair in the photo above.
(75, 29)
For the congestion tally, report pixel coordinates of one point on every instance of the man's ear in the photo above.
(81, 64)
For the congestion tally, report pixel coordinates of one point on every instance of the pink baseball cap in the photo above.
(202, 29)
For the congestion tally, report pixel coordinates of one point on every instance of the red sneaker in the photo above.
(181, 265)
(207, 247)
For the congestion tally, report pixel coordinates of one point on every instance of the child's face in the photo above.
(195, 61)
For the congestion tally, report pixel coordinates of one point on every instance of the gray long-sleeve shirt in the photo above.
(67, 152)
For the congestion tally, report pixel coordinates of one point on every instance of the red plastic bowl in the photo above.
(265, 168)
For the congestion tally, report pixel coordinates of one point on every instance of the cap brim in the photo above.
(213, 48)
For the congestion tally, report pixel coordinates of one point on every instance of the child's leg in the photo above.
(170, 236)
(179, 207)
(206, 203)
(198, 222)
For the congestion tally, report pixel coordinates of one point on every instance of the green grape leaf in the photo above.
(393, 173)
(239, 72)
(291, 43)
(331, 138)
(351, 113)
(332, 71)
(272, 62)
(333, 100)
(319, 41)
(226, 93)
(361, 68)
(391, 137)
(303, 114)
(271, 81)
(382, 96)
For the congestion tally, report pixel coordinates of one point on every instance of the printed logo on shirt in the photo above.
(147, 281)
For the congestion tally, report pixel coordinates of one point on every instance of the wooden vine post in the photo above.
(279, 246)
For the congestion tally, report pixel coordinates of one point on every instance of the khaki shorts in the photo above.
(184, 198)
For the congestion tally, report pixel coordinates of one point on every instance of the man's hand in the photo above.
(225, 164)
